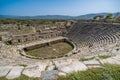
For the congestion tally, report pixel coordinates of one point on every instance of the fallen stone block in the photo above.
(32, 71)
(61, 74)
(35, 69)
(63, 62)
(4, 70)
(15, 72)
(73, 67)
(49, 75)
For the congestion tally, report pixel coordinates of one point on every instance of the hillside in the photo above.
(87, 16)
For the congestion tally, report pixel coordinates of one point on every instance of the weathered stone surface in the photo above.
(61, 74)
(51, 66)
(35, 70)
(4, 70)
(109, 60)
(63, 62)
(92, 63)
(15, 72)
(116, 57)
(42, 65)
(32, 71)
(73, 67)
(115, 51)
(49, 75)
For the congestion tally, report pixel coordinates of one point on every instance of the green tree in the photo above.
(109, 16)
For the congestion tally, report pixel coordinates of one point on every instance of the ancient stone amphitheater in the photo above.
(91, 39)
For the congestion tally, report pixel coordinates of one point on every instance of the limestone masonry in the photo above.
(90, 38)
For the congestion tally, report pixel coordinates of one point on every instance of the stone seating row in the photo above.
(88, 34)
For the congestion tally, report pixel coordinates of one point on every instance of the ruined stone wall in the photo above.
(46, 44)
(25, 33)
(32, 37)
(42, 32)
(15, 29)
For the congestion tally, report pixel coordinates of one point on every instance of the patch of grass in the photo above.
(22, 77)
(24, 65)
(86, 59)
(106, 72)
(104, 56)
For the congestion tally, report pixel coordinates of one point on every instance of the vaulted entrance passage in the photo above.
(54, 49)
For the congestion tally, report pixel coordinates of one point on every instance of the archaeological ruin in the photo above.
(79, 40)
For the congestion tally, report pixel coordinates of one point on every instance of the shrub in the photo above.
(86, 59)
(24, 65)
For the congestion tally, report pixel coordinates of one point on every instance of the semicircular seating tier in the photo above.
(94, 34)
